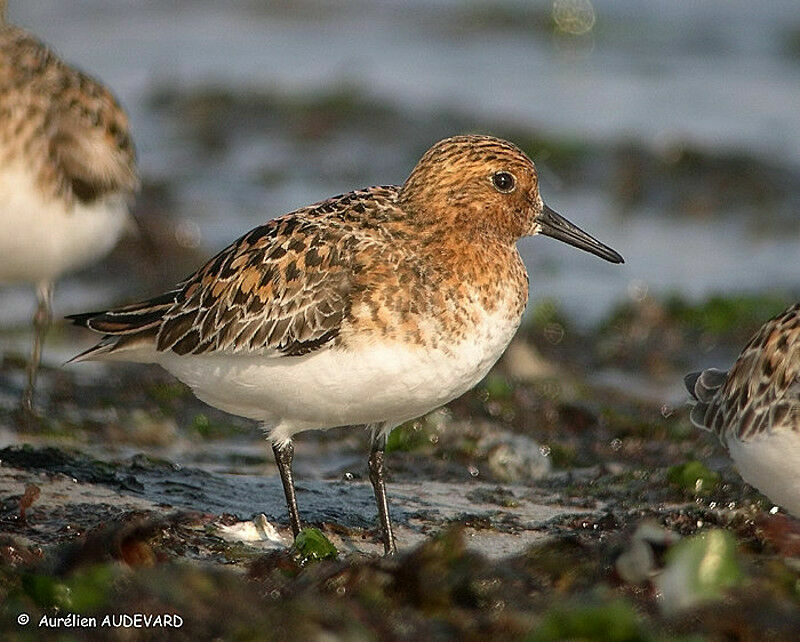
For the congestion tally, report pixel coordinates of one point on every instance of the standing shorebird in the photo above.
(67, 172)
(754, 409)
(372, 307)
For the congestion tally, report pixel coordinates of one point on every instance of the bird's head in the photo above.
(488, 186)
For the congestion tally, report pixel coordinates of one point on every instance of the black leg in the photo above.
(376, 477)
(283, 457)
(41, 323)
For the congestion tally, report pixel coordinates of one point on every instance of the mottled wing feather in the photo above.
(285, 288)
(282, 287)
(67, 126)
(762, 390)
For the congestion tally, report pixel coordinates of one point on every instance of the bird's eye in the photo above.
(504, 182)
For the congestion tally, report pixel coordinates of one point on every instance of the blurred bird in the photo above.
(373, 307)
(67, 172)
(754, 409)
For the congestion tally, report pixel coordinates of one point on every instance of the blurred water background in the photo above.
(669, 130)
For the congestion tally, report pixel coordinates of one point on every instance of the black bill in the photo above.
(556, 226)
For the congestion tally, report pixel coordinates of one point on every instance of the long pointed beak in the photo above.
(552, 224)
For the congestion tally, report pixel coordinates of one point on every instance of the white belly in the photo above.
(40, 239)
(380, 383)
(771, 464)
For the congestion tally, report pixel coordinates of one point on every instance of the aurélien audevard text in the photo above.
(113, 620)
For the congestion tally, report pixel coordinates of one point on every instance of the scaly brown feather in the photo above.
(761, 392)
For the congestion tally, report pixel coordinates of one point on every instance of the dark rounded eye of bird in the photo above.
(503, 181)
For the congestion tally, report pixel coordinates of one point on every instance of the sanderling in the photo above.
(370, 308)
(67, 170)
(754, 409)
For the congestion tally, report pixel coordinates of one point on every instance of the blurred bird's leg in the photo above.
(376, 470)
(284, 454)
(41, 323)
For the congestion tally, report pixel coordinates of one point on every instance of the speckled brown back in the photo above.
(762, 390)
(64, 126)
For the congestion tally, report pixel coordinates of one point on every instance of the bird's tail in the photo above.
(104, 347)
(703, 386)
(128, 328)
(129, 319)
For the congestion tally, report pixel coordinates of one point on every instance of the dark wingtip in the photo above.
(82, 319)
(690, 380)
(698, 416)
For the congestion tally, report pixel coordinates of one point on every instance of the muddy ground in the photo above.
(565, 497)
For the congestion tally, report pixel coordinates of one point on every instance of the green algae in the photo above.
(694, 477)
(699, 569)
(723, 315)
(613, 622)
(311, 545)
(497, 388)
(83, 591)
(166, 393)
(411, 436)
(212, 428)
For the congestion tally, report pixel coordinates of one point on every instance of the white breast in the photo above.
(771, 463)
(376, 382)
(41, 238)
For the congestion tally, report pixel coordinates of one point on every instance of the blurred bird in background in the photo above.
(67, 173)
(754, 409)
